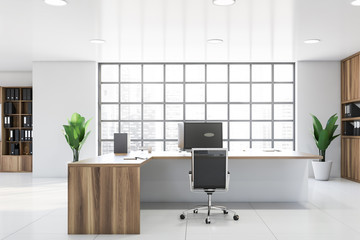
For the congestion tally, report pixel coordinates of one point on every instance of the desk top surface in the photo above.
(128, 160)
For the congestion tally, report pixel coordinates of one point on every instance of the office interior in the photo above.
(76, 58)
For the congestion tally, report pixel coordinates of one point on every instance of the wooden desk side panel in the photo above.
(103, 200)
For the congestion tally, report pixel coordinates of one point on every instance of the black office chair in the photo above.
(209, 173)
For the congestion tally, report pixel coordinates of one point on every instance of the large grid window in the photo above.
(254, 101)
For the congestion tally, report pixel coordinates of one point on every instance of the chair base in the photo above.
(209, 207)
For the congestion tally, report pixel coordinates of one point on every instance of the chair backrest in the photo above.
(209, 167)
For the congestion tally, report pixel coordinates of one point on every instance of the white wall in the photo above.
(318, 93)
(60, 89)
(10, 79)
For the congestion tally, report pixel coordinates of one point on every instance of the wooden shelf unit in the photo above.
(23, 161)
(350, 93)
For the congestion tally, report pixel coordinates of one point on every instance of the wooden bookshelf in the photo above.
(350, 94)
(17, 159)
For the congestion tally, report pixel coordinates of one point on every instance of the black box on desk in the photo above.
(121, 143)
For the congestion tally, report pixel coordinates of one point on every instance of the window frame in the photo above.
(164, 103)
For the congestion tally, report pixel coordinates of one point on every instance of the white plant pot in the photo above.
(321, 170)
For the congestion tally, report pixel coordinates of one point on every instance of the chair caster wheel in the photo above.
(195, 211)
(207, 220)
(225, 212)
(236, 217)
(182, 216)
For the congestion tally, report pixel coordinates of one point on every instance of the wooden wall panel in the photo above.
(347, 92)
(103, 200)
(350, 158)
(354, 78)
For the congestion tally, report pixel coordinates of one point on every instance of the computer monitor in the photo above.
(200, 135)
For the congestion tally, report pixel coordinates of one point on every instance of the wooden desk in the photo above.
(104, 192)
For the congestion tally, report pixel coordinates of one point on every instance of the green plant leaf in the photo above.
(83, 141)
(331, 123)
(323, 137)
(70, 135)
(317, 126)
(332, 138)
(75, 133)
(87, 124)
(324, 140)
(75, 118)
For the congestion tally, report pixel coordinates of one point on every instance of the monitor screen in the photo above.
(200, 135)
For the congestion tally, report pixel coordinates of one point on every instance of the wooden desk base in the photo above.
(103, 200)
(104, 192)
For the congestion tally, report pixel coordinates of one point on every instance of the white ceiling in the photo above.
(176, 30)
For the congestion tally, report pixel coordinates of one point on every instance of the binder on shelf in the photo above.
(348, 129)
(29, 108)
(22, 135)
(352, 110)
(30, 93)
(8, 94)
(31, 135)
(30, 148)
(16, 149)
(12, 149)
(16, 94)
(9, 108)
(12, 93)
(7, 122)
(27, 94)
(25, 121)
(11, 135)
(24, 95)
(16, 135)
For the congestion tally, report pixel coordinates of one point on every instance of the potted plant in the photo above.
(75, 134)
(323, 138)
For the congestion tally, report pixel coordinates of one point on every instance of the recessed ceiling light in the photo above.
(356, 3)
(215, 41)
(97, 41)
(223, 2)
(56, 2)
(310, 41)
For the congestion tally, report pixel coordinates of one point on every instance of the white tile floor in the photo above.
(33, 208)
